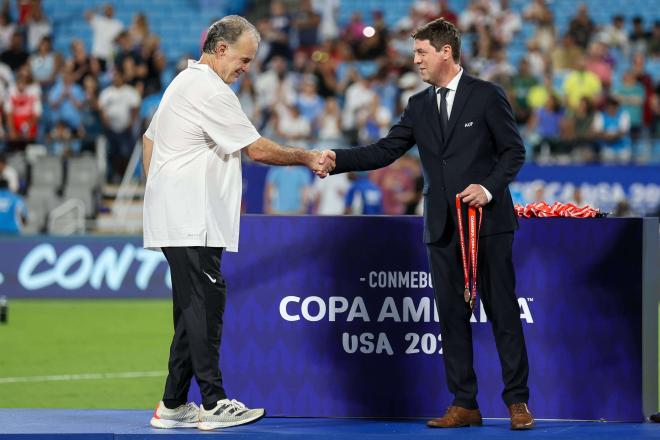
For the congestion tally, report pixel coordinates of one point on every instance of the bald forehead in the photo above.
(247, 44)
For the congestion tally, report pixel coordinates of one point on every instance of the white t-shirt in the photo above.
(105, 31)
(332, 193)
(117, 103)
(194, 186)
(35, 32)
(358, 96)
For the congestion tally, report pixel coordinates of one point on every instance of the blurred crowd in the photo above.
(66, 101)
(581, 97)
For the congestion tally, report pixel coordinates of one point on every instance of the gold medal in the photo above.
(466, 295)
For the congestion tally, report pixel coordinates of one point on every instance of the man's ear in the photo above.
(221, 48)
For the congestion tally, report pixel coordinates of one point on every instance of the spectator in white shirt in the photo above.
(38, 27)
(105, 28)
(7, 29)
(119, 104)
(292, 127)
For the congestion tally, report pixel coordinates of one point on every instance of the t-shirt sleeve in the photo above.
(151, 130)
(134, 98)
(223, 119)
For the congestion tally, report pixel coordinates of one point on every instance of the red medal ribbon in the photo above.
(470, 293)
(542, 209)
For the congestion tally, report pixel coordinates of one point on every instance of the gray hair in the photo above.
(228, 29)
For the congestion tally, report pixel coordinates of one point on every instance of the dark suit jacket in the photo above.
(482, 146)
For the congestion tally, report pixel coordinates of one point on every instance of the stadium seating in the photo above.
(82, 182)
(46, 179)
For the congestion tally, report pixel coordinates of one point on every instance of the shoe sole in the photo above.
(170, 424)
(523, 428)
(209, 426)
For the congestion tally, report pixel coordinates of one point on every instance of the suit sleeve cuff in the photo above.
(489, 196)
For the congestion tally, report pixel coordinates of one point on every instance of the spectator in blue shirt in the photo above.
(286, 190)
(309, 103)
(363, 196)
(631, 95)
(612, 128)
(12, 211)
(66, 100)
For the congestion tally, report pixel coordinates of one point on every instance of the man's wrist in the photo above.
(304, 157)
(489, 196)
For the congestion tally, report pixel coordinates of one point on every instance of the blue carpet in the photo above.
(39, 424)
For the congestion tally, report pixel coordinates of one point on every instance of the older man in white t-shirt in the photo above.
(192, 156)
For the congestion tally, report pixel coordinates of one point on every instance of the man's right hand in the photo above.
(328, 160)
(322, 163)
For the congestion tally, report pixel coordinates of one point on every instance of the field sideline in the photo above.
(84, 353)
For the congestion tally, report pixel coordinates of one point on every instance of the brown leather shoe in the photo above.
(456, 417)
(521, 418)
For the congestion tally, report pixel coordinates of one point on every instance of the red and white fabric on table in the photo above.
(542, 209)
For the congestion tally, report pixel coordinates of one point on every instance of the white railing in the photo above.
(67, 218)
(126, 193)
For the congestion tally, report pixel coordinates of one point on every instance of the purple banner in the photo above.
(334, 316)
(81, 267)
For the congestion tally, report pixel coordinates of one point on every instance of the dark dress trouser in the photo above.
(199, 294)
(496, 289)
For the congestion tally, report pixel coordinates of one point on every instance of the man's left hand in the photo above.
(474, 195)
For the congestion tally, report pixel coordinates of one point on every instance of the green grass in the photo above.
(64, 337)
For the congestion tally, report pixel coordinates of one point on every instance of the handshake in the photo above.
(322, 162)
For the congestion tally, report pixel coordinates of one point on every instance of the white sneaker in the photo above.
(228, 413)
(184, 416)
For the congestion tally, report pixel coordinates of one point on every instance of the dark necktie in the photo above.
(444, 118)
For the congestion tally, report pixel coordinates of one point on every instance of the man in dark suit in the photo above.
(469, 145)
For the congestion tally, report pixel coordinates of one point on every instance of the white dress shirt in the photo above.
(449, 97)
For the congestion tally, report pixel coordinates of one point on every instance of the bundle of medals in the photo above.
(542, 209)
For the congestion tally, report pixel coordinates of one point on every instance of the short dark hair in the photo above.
(611, 100)
(227, 29)
(440, 32)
